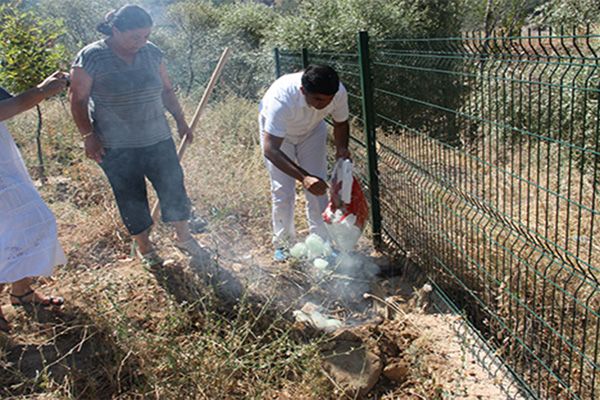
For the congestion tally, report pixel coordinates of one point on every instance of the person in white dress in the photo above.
(29, 244)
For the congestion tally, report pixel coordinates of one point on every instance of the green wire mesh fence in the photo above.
(480, 156)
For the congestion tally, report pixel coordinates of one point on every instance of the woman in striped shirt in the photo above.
(120, 90)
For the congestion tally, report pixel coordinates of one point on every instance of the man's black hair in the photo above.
(322, 79)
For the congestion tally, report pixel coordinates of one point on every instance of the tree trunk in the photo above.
(38, 140)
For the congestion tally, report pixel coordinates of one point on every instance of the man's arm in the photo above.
(272, 151)
(341, 136)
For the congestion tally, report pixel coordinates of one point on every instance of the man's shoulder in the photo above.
(291, 81)
(285, 88)
(342, 92)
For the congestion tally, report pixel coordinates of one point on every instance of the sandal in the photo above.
(49, 301)
(4, 326)
(151, 259)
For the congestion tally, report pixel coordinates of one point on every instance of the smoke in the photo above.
(353, 274)
(342, 277)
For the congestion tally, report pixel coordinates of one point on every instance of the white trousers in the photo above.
(311, 155)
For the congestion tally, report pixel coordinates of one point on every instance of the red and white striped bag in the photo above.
(348, 210)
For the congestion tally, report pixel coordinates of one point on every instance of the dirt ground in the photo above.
(391, 346)
(420, 351)
(122, 320)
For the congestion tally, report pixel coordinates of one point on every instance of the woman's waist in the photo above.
(133, 138)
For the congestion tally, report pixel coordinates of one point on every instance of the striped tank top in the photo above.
(125, 105)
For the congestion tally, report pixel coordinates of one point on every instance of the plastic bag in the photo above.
(347, 211)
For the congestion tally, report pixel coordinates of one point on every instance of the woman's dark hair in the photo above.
(320, 79)
(124, 19)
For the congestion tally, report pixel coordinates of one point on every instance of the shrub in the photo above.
(332, 24)
(28, 53)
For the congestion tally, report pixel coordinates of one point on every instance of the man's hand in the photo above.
(314, 185)
(342, 153)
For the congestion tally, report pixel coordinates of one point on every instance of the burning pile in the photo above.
(344, 275)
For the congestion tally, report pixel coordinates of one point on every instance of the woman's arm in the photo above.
(172, 104)
(81, 87)
(52, 85)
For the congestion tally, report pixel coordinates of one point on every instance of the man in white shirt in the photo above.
(294, 141)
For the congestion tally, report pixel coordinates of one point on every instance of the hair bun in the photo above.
(124, 19)
(104, 28)
(110, 15)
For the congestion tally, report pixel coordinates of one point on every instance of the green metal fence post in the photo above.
(368, 106)
(277, 62)
(304, 58)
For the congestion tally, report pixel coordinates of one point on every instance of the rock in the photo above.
(352, 365)
(396, 371)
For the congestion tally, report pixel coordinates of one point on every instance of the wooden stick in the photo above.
(201, 106)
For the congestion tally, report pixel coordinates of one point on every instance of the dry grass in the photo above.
(511, 241)
(224, 168)
(226, 172)
(129, 333)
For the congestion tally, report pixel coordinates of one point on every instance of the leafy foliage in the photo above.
(189, 41)
(568, 12)
(249, 21)
(29, 52)
(487, 15)
(332, 24)
(199, 31)
(513, 15)
(81, 18)
(29, 48)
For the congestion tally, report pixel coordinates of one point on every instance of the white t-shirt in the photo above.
(284, 112)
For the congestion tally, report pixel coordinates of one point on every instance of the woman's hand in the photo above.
(184, 130)
(93, 148)
(54, 84)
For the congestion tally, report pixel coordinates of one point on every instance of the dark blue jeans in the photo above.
(126, 170)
